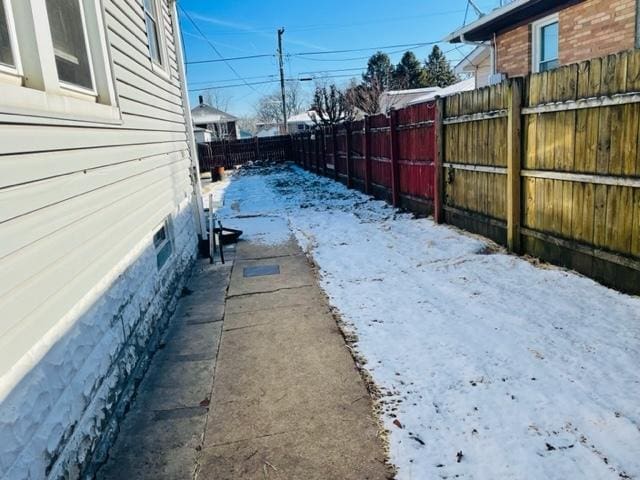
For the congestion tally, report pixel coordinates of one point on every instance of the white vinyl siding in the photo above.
(77, 195)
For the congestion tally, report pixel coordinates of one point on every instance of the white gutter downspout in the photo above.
(195, 169)
(491, 45)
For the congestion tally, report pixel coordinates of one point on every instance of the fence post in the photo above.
(438, 177)
(366, 147)
(334, 140)
(323, 147)
(393, 137)
(347, 132)
(257, 148)
(307, 137)
(514, 160)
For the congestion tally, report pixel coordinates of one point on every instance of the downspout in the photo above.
(491, 45)
(191, 143)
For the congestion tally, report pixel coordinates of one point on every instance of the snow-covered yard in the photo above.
(490, 366)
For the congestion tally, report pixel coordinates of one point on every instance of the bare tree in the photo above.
(269, 107)
(217, 99)
(248, 124)
(330, 106)
(365, 97)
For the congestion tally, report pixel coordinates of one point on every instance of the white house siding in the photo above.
(81, 299)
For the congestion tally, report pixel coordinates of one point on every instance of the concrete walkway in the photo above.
(262, 388)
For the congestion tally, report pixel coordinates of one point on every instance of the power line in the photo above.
(326, 52)
(412, 45)
(231, 59)
(213, 47)
(273, 76)
(217, 87)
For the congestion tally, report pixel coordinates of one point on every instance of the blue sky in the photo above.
(248, 27)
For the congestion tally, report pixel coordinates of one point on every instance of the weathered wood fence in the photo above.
(391, 157)
(548, 165)
(230, 153)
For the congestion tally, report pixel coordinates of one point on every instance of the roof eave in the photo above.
(503, 18)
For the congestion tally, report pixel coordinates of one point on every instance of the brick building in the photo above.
(536, 35)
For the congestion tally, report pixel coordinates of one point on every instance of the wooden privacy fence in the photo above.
(550, 166)
(229, 153)
(391, 157)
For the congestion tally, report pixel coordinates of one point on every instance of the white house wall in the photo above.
(81, 298)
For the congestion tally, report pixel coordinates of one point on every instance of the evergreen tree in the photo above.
(438, 71)
(379, 71)
(409, 73)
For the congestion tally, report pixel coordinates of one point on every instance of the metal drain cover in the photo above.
(261, 270)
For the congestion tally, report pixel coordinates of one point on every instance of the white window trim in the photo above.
(13, 40)
(536, 29)
(38, 95)
(162, 67)
(87, 45)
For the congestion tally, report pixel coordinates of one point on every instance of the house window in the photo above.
(153, 31)
(162, 244)
(67, 74)
(70, 43)
(8, 51)
(545, 44)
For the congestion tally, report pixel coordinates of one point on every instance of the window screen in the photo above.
(6, 54)
(69, 42)
(151, 21)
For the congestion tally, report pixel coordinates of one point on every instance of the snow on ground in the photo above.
(493, 367)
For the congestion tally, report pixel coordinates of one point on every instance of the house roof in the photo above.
(204, 113)
(505, 17)
(301, 117)
(400, 98)
(463, 86)
(474, 59)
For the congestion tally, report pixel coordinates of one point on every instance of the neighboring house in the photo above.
(476, 65)
(537, 35)
(300, 122)
(222, 125)
(100, 212)
(458, 87)
(401, 98)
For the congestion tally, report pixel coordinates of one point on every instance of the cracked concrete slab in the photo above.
(253, 381)
(161, 434)
(287, 392)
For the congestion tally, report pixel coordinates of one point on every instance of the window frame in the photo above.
(16, 70)
(536, 40)
(161, 66)
(71, 86)
(38, 95)
(167, 226)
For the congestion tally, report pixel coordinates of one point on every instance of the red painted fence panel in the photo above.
(361, 154)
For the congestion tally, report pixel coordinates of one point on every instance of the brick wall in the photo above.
(596, 28)
(513, 51)
(589, 29)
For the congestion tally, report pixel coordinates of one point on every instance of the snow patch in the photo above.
(489, 366)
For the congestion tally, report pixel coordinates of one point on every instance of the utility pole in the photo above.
(284, 101)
